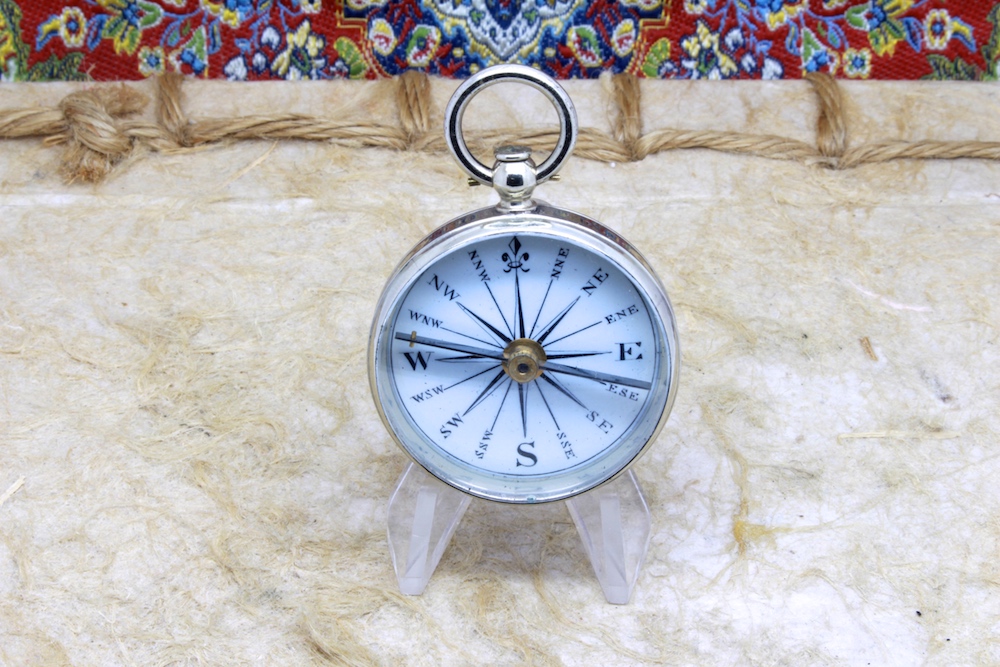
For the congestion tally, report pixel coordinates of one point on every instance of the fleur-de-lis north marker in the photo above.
(513, 259)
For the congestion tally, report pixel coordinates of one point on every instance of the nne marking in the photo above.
(621, 314)
(560, 260)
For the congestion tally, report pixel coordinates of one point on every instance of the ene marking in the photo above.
(621, 314)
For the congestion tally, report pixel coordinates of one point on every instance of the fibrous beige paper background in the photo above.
(183, 391)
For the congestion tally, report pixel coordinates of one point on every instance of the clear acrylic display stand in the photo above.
(613, 521)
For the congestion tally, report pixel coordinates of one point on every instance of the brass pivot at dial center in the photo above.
(523, 360)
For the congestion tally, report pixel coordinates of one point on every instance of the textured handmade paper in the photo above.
(183, 392)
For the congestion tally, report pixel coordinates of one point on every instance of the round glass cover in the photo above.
(524, 357)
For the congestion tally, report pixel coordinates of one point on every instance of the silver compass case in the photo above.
(523, 353)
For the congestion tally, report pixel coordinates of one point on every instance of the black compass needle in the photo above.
(547, 329)
(485, 393)
(540, 308)
(454, 347)
(522, 393)
(496, 332)
(563, 390)
(572, 354)
(546, 402)
(499, 310)
(597, 376)
(519, 316)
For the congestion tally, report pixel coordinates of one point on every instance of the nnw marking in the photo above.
(477, 265)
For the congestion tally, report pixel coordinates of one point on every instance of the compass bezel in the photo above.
(567, 226)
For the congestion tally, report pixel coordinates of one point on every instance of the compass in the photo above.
(523, 353)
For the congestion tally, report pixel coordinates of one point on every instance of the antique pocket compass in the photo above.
(522, 353)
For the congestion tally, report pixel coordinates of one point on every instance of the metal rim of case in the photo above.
(559, 222)
(568, 125)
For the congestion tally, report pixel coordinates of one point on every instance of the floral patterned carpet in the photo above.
(105, 40)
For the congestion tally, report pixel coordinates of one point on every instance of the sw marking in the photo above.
(453, 423)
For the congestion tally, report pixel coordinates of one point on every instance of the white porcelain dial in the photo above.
(524, 360)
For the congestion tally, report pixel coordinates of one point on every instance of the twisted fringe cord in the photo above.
(100, 130)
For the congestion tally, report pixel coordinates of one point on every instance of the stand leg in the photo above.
(423, 514)
(614, 524)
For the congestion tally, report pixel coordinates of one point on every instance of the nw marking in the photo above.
(442, 286)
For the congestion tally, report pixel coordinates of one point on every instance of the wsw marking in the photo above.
(442, 286)
(419, 358)
(427, 320)
(430, 393)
